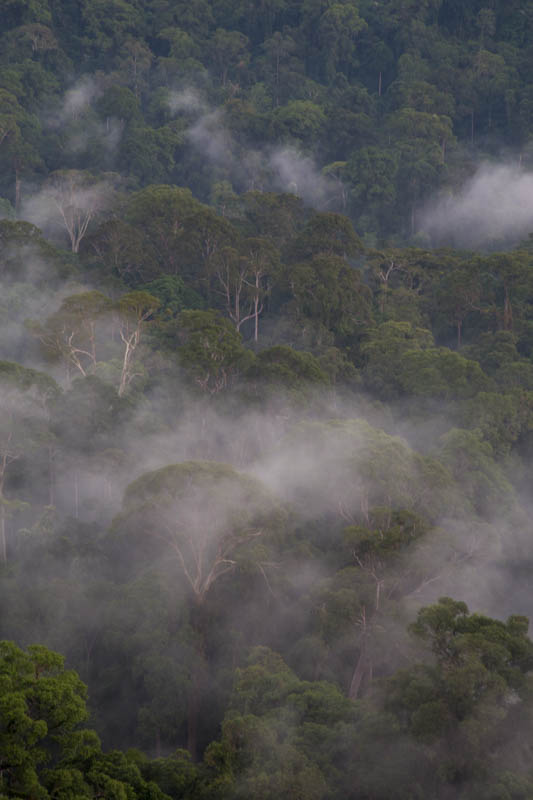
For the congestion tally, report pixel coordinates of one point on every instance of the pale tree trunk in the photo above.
(277, 80)
(507, 312)
(76, 494)
(130, 345)
(51, 476)
(256, 318)
(364, 665)
(17, 191)
(358, 673)
(75, 221)
(3, 543)
(257, 308)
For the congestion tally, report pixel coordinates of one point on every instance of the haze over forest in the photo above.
(266, 399)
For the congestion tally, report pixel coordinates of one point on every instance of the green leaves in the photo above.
(459, 707)
(40, 704)
(329, 290)
(471, 461)
(211, 350)
(271, 737)
(205, 514)
(43, 753)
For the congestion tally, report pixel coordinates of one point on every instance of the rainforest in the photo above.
(266, 399)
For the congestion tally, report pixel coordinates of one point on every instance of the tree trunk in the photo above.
(277, 81)
(358, 674)
(130, 345)
(199, 678)
(507, 312)
(51, 477)
(382, 298)
(76, 494)
(3, 544)
(17, 191)
(256, 309)
(192, 719)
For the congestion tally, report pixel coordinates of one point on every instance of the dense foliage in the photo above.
(262, 413)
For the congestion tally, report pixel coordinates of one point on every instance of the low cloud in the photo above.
(188, 100)
(495, 207)
(282, 169)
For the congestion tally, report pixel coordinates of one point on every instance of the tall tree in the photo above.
(73, 334)
(207, 517)
(159, 212)
(78, 197)
(243, 277)
(211, 350)
(24, 397)
(457, 707)
(134, 310)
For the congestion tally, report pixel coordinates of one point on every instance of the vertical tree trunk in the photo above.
(17, 190)
(193, 711)
(130, 345)
(358, 673)
(277, 80)
(51, 477)
(507, 312)
(3, 543)
(256, 308)
(383, 297)
(76, 494)
(199, 678)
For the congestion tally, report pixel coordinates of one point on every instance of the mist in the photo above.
(322, 471)
(494, 208)
(77, 100)
(282, 168)
(64, 207)
(265, 472)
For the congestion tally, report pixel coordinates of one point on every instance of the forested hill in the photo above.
(266, 400)
(365, 107)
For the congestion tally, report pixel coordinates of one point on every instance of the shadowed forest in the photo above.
(266, 399)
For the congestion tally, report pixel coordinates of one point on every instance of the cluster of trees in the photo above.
(393, 99)
(448, 725)
(205, 506)
(249, 448)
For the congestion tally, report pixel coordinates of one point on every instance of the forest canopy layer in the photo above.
(266, 400)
